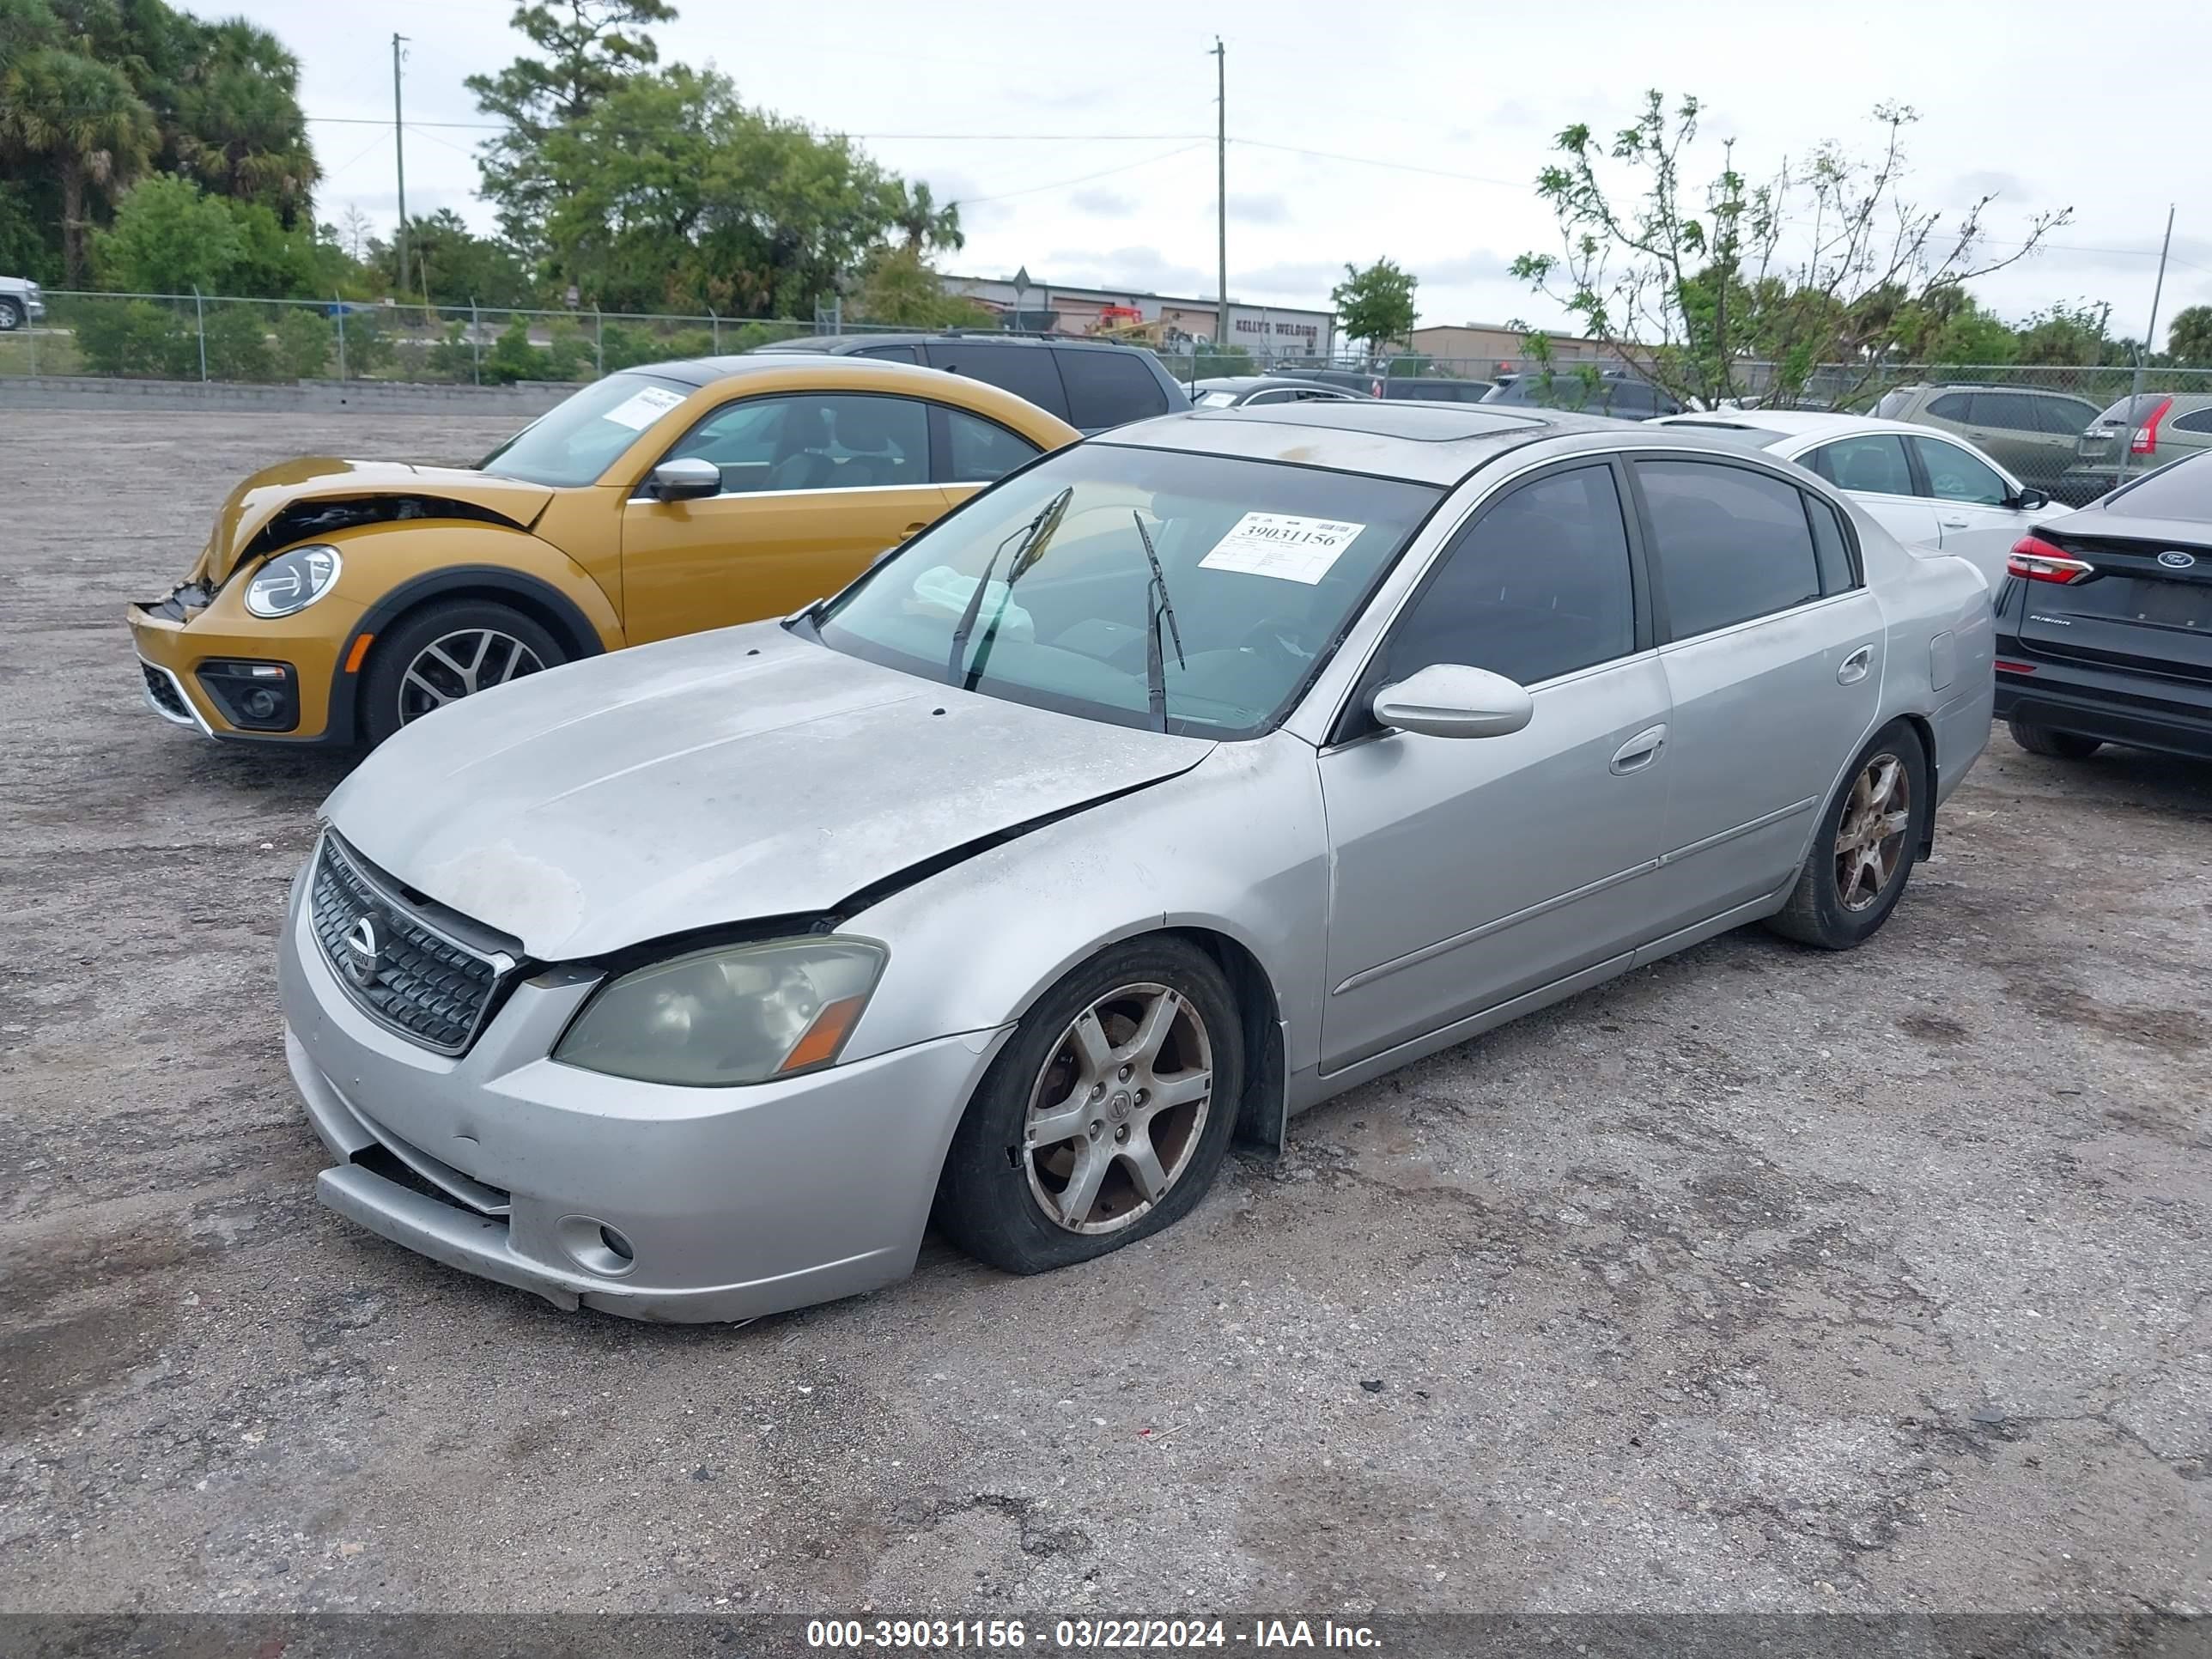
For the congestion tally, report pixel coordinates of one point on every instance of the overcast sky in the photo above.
(1085, 135)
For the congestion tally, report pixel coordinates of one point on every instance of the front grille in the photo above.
(408, 974)
(161, 691)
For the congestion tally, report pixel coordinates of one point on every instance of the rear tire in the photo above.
(1084, 1136)
(2059, 745)
(1864, 849)
(12, 316)
(445, 652)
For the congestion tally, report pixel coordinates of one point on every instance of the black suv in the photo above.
(2105, 621)
(1091, 384)
(1608, 392)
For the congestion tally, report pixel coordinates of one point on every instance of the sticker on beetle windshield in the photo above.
(1282, 545)
(642, 409)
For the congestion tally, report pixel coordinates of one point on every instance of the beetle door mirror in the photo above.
(686, 479)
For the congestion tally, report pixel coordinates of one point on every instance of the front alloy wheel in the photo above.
(1118, 1109)
(456, 666)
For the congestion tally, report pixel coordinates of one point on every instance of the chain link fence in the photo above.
(191, 337)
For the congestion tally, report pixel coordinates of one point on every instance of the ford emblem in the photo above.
(2175, 559)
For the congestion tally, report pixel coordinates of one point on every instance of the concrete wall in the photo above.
(524, 402)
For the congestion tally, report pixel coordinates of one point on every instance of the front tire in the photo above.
(1862, 851)
(444, 653)
(2058, 745)
(1106, 1115)
(12, 316)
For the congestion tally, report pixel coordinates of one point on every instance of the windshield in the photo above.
(577, 440)
(1261, 565)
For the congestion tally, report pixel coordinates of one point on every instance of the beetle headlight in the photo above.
(293, 580)
(733, 1014)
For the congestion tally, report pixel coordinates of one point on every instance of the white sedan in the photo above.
(1927, 488)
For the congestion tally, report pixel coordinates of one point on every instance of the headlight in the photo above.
(735, 1014)
(293, 581)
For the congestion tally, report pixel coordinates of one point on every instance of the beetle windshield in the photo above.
(575, 441)
(1260, 567)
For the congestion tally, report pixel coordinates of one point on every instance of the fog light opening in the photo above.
(596, 1247)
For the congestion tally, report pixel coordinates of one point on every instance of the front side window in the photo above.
(1952, 406)
(1262, 565)
(1730, 543)
(1955, 476)
(809, 441)
(1537, 587)
(577, 440)
(1874, 463)
(982, 449)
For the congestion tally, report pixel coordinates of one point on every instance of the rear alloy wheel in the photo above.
(2059, 745)
(1864, 850)
(447, 653)
(1104, 1117)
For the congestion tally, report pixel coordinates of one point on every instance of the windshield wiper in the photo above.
(1033, 535)
(1157, 607)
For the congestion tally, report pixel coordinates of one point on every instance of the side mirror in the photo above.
(2031, 500)
(686, 479)
(1451, 700)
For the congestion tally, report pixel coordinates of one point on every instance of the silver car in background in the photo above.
(1183, 780)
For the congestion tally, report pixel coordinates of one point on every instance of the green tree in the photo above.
(2074, 336)
(2189, 341)
(587, 49)
(456, 265)
(238, 124)
(896, 286)
(923, 223)
(1948, 327)
(1376, 305)
(679, 198)
(1688, 281)
(82, 118)
(513, 358)
(304, 341)
(238, 344)
(135, 337)
(169, 237)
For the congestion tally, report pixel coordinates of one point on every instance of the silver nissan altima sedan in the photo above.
(1183, 779)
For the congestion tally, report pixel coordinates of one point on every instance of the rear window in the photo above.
(1894, 403)
(1024, 370)
(2131, 408)
(1109, 388)
(2183, 490)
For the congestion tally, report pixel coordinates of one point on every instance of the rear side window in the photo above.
(2062, 416)
(1952, 406)
(1731, 544)
(1539, 586)
(1873, 462)
(1109, 388)
(2005, 410)
(981, 450)
(1830, 546)
(1026, 371)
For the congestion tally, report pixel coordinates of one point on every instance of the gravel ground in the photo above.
(1760, 1280)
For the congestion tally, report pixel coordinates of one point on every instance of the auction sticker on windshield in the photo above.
(642, 409)
(1283, 545)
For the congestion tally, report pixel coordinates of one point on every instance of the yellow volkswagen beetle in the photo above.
(338, 600)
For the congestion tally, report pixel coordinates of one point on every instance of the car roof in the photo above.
(709, 371)
(1796, 424)
(835, 343)
(1255, 382)
(1424, 443)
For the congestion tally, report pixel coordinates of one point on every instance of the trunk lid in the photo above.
(2147, 609)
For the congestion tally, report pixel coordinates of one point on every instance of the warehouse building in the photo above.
(1162, 321)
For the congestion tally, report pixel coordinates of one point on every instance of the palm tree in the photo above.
(240, 129)
(915, 211)
(82, 117)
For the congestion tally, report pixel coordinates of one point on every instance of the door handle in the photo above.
(913, 529)
(1953, 524)
(1855, 667)
(1639, 752)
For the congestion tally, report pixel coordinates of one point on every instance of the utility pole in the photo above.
(2150, 338)
(1221, 184)
(399, 160)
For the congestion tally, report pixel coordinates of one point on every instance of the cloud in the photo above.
(1268, 209)
(1479, 266)
(1312, 278)
(1969, 188)
(1103, 204)
(1131, 270)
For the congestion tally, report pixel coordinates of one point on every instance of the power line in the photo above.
(1065, 184)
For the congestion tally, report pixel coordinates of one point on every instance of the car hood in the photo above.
(719, 778)
(254, 504)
